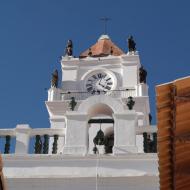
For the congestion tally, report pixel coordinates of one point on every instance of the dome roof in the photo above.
(103, 47)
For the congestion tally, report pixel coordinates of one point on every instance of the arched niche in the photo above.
(115, 105)
(101, 117)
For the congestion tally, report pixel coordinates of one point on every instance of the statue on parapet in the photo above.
(69, 48)
(142, 75)
(54, 79)
(131, 44)
(89, 52)
(72, 103)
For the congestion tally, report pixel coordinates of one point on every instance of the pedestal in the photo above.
(22, 139)
(54, 94)
(124, 132)
(76, 134)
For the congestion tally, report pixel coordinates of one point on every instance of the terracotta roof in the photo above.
(173, 111)
(103, 47)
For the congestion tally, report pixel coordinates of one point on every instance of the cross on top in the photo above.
(105, 20)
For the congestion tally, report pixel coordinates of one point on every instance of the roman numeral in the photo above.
(109, 83)
(99, 75)
(93, 92)
(108, 87)
(94, 76)
(108, 79)
(89, 89)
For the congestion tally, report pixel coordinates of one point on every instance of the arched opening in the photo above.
(101, 119)
(100, 110)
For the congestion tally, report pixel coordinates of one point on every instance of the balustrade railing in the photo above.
(41, 138)
(7, 144)
(7, 141)
(150, 142)
(54, 150)
(41, 144)
(124, 93)
(29, 140)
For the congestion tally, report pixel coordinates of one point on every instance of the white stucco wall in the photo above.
(120, 183)
(37, 172)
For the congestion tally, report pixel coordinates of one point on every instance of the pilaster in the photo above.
(124, 132)
(22, 139)
(76, 134)
(54, 94)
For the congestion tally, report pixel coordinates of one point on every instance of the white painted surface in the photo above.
(54, 94)
(139, 143)
(124, 132)
(38, 172)
(123, 183)
(46, 166)
(73, 168)
(22, 140)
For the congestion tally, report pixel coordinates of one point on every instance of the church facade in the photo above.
(100, 134)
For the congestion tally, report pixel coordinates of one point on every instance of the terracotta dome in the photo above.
(103, 47)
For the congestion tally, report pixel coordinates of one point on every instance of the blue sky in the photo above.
(33, 35)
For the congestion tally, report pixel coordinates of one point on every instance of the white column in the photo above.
(54, 94)
(142, 89)
(124, 132)
(22, 139)
(76, 139)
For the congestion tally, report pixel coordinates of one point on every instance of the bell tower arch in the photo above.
(84, 123)
(100, 120)
(90, 104)
(99, 84)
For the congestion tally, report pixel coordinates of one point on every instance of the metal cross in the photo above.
(105, 20)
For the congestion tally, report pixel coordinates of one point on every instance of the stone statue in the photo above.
(111, 51)
(69, 48)
(54, 79)
(131, 44)
(89, 52)
(142, 75)
(72, 103)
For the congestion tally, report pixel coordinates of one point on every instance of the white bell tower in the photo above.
(95, 98)
(99, 136)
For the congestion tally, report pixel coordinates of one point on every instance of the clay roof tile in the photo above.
(103, 47)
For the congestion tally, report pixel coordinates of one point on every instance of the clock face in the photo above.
(99, 82)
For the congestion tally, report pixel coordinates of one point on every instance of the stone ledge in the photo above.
(136, 156)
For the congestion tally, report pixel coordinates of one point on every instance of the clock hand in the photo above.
(100, 83)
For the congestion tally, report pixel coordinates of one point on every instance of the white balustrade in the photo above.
(23, 133)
